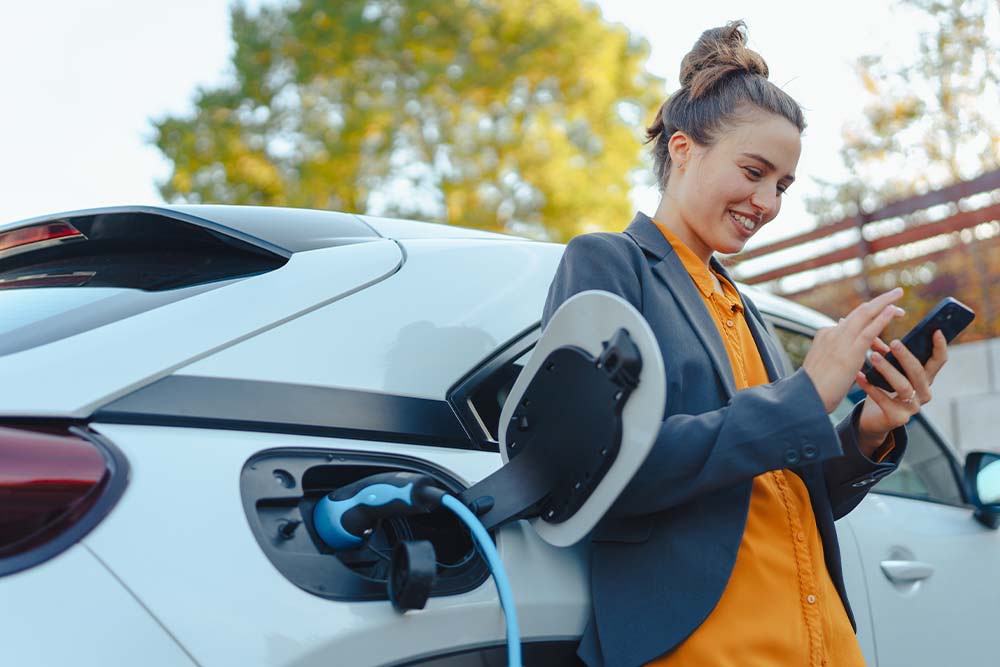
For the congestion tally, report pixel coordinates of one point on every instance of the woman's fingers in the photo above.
(889, 405)
(938, 358)
(877, 324)
(915, 373)
(899, 382)
(895, 412)
(863, 316)
(879, 345)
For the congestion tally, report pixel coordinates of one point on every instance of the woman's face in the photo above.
(724, 193)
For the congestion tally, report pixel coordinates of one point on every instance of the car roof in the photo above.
(785, 309)
(280, 228)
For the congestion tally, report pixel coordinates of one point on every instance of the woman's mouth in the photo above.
(746, 225)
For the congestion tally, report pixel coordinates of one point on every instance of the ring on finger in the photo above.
(911, 397)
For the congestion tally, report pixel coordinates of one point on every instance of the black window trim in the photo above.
(460, 393)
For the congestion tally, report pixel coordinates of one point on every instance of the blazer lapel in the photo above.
(671, 271)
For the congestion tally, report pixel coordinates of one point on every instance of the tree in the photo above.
(499, 114)
(931, 120)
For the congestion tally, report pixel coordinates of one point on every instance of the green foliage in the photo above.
(931, 120)
(499, 114)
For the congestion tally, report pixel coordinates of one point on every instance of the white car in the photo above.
(181, 384)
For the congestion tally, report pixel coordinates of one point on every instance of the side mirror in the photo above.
(982, 483)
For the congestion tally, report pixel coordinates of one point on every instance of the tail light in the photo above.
(56, 483)
(37, 236)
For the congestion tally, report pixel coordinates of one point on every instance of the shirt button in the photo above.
(729, 323)
(800, 536)
(811, 599)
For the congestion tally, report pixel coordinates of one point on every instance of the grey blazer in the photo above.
(663, 554)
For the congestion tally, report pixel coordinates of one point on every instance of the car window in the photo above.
(59, 278)
(796, 345)
(925, 473)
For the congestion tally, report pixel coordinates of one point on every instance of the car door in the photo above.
(932, 572)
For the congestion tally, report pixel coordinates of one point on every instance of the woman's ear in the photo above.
(680, 146)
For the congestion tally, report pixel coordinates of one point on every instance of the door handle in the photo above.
(906, 571)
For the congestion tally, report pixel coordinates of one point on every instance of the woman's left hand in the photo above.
(885, 411)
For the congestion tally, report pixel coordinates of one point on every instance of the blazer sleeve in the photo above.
(762, 428)
(850, 477)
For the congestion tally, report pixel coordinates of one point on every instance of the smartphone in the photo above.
(951, 316)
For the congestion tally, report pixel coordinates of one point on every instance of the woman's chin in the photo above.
(731, 247)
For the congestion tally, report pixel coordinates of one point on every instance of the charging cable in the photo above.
(344, 518)
(489, 552)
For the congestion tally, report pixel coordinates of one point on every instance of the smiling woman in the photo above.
(737, 500)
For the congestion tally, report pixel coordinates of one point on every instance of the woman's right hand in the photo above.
(838, 352)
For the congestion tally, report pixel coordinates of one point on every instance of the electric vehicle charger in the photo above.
(344, 517)
(597, 360)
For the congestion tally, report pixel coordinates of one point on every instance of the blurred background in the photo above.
(527, 117)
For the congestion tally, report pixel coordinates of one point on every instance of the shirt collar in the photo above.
(692, 263)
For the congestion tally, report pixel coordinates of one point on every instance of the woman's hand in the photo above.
(884, 411)
(837, 353)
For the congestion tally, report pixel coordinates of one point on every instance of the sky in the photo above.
(84, 78)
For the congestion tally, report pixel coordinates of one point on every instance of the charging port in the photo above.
(281, 487)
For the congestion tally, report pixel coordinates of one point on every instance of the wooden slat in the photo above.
(791, 242)
(988, 181)
(929, 257)
(954, 223)
(984, 183)
(842, 255)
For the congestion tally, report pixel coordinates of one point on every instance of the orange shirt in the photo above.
(780, 606)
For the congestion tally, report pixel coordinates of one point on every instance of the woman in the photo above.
(722, 550)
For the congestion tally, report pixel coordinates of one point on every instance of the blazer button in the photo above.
(809, 452)
(791, 457)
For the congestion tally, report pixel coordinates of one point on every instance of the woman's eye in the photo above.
(752, 172)
(782, 189)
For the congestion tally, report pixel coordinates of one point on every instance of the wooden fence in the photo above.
(945, 242)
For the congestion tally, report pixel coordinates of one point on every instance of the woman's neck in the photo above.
(668, 215)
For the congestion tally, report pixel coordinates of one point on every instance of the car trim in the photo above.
(277, 407)
(460, 393)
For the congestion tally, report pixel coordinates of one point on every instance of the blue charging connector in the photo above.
(346, 516)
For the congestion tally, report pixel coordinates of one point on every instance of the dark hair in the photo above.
(720, 79)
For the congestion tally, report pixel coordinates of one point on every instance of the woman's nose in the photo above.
(764, 201)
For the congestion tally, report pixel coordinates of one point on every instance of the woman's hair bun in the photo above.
(719, 53)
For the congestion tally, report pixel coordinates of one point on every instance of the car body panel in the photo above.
(71, 610)
(70, 377)
(399, 229)
(948, 618)
(414, 334)
(207, 580)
